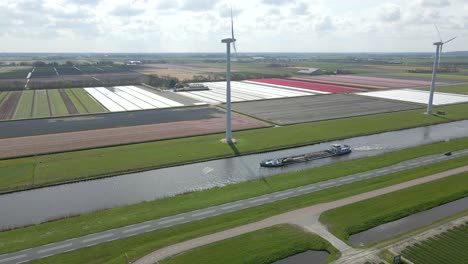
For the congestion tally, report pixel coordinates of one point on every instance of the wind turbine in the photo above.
(228, 42)
(439, 45)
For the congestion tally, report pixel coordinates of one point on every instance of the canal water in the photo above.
(39, 205)
(408, 223)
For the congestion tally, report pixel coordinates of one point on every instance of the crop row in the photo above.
(46, 103)
(448, 247)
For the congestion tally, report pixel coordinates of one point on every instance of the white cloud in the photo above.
(199, 25)
(435, 3)
(390, 13)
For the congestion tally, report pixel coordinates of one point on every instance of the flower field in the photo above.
(46, 103)
(314, 87)
(448, 247)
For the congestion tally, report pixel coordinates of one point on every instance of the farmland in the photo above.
(262, 246)
(360, 216)
(456, 89)
(46, 103)
(448, 247)
(142, 244)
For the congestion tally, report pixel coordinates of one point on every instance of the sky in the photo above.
(260, 25)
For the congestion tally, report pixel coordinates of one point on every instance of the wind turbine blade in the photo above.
(232, 33)
(438, 32)
(449, 40)
(232, 25)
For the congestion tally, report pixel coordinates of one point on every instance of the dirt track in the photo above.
(23, 146)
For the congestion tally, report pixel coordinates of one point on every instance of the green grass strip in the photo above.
(57, 105)
(261, 247)
(360, 216)
(68, 166)
(88, 102)
(126, 215)
(23, 109)
(429, 75)
(140, 245)
(78, 105)
(456, 89)
(448, 247)
(41, 106)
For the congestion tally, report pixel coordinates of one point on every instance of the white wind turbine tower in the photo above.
(439, 45)
(228, 42)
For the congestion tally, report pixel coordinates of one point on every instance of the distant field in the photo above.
(429, 76)
(47, 103)
(448, 247)
(261, 247)
(457, 89)
(18, 72)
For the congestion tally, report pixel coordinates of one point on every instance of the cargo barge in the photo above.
(334, 150)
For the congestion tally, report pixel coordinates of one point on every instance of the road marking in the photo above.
(231, 206)
(364, 175)
(327, 183)
(283, 194)
(46, 256)
(54, 248)
(171, 220)
(398, 167)
(97, 238)
(12, 258)
(347, 179)
(259, 200)
(383, 170)
(308, 188)
(204, 213)
(135, 228)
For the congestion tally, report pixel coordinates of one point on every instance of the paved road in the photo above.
(132, 230)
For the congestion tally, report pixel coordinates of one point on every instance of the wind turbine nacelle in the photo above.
(228, 40)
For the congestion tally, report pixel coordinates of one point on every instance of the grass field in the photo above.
(429, 75)
(41, 104)
(357, 217)
(16, 72)
(121, 159)
(456, 89)
(24, 108)
(81, 109)
(261, 247)
(448, 247)
(88, 103)
(121, 216)
(57, 105)
(137, 246)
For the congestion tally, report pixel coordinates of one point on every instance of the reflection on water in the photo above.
(35, 206)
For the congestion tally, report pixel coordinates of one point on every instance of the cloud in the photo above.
(225, 11)
(324, 23)
(85, 2)
(278, 2)
(434, 3)
(124, 10)
(390, 13)
(300, 9)
(199, 5)
(168, 4)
